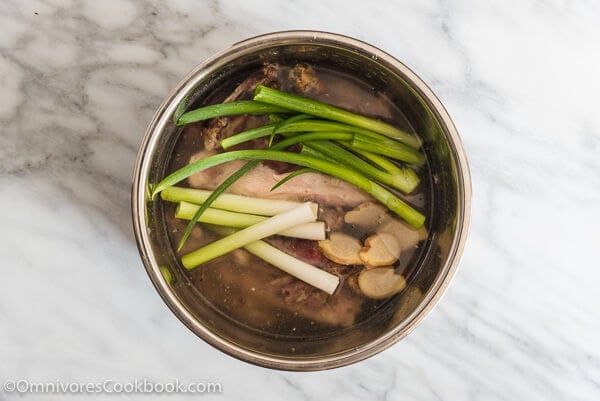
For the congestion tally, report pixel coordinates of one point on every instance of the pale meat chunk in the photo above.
(321, 188)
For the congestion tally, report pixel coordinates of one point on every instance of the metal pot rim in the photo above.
(149, 145)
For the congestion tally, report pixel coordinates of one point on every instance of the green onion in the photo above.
(393, 149)
(218, 191)
(315, 125)
(249, 135)
(180, 110)
(376, 159)
(364, 134)
(406, 182)
(297, 117)
(276, 118)
(229, 109)
(292, 175)
(391, 201)
(221, 188)
(323, 110)
(314, 136)
(294, 119)
(234, 203)
(167, 275)
(212, 197)
(295, 267)
(307, 151)
(304, 213)
(366, 138)
(308, 273)
(186, 211)
(260, 132)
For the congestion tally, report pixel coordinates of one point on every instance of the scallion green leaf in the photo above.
(229, 109)
(391, 201)
(313, 107)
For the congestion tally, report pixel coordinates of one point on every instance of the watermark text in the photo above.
(137, 386)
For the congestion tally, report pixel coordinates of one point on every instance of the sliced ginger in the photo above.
(381, 249)
(342, 248)
(366, 217)
(380, 283)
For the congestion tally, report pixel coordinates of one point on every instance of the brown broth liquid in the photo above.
(261, 297)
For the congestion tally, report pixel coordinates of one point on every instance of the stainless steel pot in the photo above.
(449, 224)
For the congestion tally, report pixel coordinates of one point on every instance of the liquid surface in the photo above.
(261, 297)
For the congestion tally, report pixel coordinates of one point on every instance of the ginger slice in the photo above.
(342, 248)
(406, 236)
(381, 249)
(366, 217)
(380, 283)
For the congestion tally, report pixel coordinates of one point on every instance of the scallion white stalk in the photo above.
(295, 267)
(306, 272)
(232, 202)
(304, 213)
(186, 211)
(314, 230)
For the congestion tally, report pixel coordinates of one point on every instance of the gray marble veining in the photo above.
(80, 80)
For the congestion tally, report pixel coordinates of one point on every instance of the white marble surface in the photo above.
(79, 81)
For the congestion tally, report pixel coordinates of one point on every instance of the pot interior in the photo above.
(436, 261)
